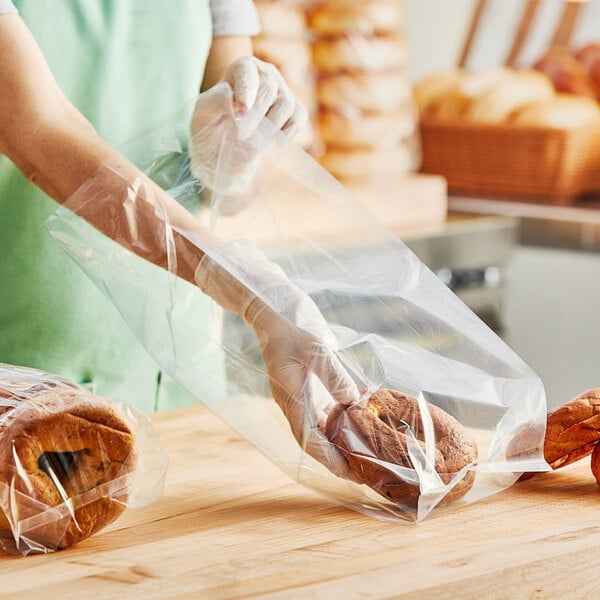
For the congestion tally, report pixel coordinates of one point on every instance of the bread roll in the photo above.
(563, 112)
(460, 89)
(566, 73)
(500, 101)
(430, 91)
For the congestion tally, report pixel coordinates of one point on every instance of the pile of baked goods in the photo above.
(509, 134)
(67, 461)
(366, 113)
(502, 96)
(284, 41)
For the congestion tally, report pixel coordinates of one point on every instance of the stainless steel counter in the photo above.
(550, 313)
(567, 227)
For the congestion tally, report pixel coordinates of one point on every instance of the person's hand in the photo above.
(305, 376)
(306, 381)
(223, 148)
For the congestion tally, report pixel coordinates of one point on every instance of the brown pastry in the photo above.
(373, 437)
(572, 433)
(566, 72)
(66, 463)
(589, 57)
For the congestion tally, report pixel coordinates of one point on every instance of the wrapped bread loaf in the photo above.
(67, 461)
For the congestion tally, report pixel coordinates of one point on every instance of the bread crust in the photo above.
(372, 437)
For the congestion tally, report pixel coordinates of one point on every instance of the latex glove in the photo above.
(223, 147)
(305, 376)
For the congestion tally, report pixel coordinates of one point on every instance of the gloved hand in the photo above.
(226, 117)
(305, 376)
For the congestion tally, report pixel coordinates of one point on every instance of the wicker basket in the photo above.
(544, 165)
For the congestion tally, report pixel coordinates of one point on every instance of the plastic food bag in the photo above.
(70, 462)
(307, 259)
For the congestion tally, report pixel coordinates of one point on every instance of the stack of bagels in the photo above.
(366, 117)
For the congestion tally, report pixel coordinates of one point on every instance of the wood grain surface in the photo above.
(233, 526)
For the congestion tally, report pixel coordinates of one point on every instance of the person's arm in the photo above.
(233, 24)
(58, 150)
(224, 51)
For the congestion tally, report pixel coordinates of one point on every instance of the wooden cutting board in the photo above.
(231, 525)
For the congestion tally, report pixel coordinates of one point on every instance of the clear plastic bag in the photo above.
(70, 462)
(381, 314)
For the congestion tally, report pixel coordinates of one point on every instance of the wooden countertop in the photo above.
(231, 525)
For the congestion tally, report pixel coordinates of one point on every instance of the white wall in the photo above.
(437, 29)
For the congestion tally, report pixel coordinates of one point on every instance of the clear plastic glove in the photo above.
(250, 91)
(305, 376)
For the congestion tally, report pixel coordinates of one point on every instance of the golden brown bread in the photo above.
(573, 429)
(572, 433)
(562, 112)
(566, 72)
(59, 443)
(501, 100)
(372, 436)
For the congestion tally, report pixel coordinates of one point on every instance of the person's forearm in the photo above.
(58, 150)
(224, 51)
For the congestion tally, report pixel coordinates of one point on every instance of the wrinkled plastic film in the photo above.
(70, 462)
(385, 318)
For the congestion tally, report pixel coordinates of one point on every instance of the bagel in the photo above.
(355, 52)
(355, 128)
(363, 90)
(281, 19)
(373, 436)
(368, 17)
(66, 462)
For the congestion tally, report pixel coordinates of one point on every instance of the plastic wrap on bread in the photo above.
(70, 462)
(354, 311)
